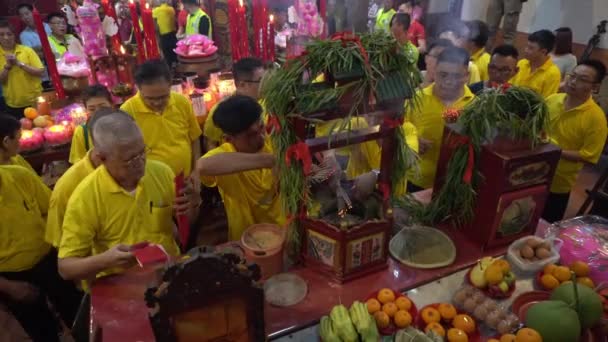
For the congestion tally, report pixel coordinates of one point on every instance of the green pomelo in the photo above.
(590, 310)
(554, 320)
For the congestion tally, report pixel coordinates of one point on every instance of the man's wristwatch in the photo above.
(20, 64)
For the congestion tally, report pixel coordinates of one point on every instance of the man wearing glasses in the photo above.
(248, 74)
(578, 126)
(125, 201)
(448, 92)
(502, 67)
(59, 39)
(165, 118)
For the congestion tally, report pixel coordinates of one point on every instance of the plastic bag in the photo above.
(196, 45)
(585, 239)
(91, 30)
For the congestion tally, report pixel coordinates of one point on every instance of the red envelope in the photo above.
(150, 254)
(183, 226)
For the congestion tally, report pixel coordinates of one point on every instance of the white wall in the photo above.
(582, 16)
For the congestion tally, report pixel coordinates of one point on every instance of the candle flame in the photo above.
(131, 1)
(57, 128)
(147, 6)
(207, 97)
(41, 99)
(65, 122)
(271, 19)
(241, 3)
(27, 134)
(122, 50)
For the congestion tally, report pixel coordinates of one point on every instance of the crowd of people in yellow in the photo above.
(120, 190)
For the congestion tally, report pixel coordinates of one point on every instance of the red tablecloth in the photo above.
(118, 307)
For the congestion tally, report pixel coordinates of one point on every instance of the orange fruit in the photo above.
(436, 328)
(494, 274)
(549, 269)
(465, 323)
(403, 303)
(386, 295)
(447, 311)
(402, 319)
(507, 338)
(382, 319)
(528, 335)
(586, 281)
(30, 113)
(457, 335)
(580, 268)
(549, 282)
(390, 309)
(503, 264)
(430, 315)
(373, 305)
(562, 273)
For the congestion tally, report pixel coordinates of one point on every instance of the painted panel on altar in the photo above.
(322, 249)
(225, 320)
(364, 251)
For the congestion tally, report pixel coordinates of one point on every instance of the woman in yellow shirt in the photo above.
(94, 97)
(10, 132)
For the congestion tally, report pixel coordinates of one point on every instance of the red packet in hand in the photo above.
(150, 254)
(183, 226)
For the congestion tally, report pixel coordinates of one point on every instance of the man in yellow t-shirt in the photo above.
(164, 15)
(248, 73)
(165, 118)
(448, 92)
(458, 33)
(577, 125)
(126, 201)
(537, 71)
(10, 133)
(242, 167)
(476, 45)
(21, 74)
(28, 265)
(68, 182)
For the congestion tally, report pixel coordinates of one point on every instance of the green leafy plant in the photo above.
(515, 113)
(355, 66)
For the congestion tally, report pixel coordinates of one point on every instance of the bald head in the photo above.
(115, 130)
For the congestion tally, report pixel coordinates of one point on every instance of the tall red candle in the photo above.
(233, 22)
(141, 51)
(243, 30)
(271, 48)
(49, 56)
(150, 33)
(258, 29)
(323, 12)
(109, 10)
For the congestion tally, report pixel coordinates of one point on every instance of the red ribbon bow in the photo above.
(502, 87)
(300, 152)
(459, 140)
(392, 122)
(346, 37)
(273, 124)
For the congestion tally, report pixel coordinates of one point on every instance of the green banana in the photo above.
(327, 332)
(342, 324)
(363, 322)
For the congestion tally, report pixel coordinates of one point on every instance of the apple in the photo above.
(509, 278)
(26, 123)
(40, 122)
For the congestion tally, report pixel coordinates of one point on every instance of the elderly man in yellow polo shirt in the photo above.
(537, 71)
(125, 201)
(448, 92)
(248, 73)
(165, 118)
(68, 182)
(578, 126)
(28, 265)
(21, 74)
(242, 166)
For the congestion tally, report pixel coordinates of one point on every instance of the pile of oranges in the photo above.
(438, 318)
(554, 275)
(523, 335)
(387, 308)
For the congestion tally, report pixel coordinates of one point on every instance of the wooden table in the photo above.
(47, 155)
(118, 307)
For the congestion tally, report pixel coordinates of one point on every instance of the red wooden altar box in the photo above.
(515, 181)
(346, 254)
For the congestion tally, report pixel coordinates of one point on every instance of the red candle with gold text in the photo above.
(141, 51)
(49, 56)
(323, 12)
(150, 34)
(109, 10)
(233, 22)
(123, 67)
